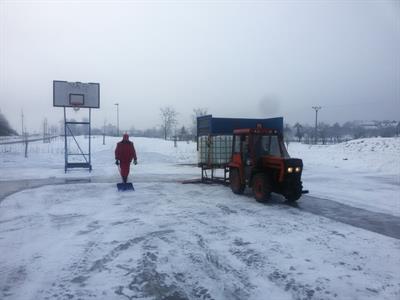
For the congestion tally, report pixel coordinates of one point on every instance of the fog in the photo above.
(237, 59)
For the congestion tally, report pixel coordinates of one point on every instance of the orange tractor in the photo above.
(260, 161)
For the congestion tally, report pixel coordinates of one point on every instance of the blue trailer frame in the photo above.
(207, 125)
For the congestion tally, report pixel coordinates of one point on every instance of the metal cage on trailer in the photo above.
(214, 142)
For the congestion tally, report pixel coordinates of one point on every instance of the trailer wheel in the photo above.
(261, 188)
(236, 185)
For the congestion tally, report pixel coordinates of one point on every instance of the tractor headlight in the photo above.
(297, 170)
(290, 170)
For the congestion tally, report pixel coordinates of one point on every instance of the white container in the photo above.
(215, 150)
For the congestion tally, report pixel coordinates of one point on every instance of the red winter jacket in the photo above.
(125, 151)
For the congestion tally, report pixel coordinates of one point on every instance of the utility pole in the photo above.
(104, 132)
(24, 134)
(117, 104)
(22, 120)
(316, 108)
(45, 131)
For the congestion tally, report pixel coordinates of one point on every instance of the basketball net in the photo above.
(76, 107)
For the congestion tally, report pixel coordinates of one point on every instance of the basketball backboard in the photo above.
(76, 94)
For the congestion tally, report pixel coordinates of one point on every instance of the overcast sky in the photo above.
(237, 59)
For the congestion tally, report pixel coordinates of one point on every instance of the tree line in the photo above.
(169, 128)
(336, 133)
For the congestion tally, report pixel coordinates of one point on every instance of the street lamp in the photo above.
(316, 108)
(104, 132)
(117, 104)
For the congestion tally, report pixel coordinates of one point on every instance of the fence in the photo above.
(21, 145)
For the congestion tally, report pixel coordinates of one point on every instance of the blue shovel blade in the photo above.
(125, 186)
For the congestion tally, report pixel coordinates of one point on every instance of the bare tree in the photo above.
(5, 128)
(53, 130)
(168, 119)
(197, 112)
(287, 134)
(299, 131)
(183, 134)
(323, 132)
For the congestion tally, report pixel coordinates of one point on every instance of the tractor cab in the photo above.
(261, 161)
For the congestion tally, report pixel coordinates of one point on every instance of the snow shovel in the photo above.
(124, 186)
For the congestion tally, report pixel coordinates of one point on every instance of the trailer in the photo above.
(214, 142)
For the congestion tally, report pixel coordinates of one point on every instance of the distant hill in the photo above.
(5, 128)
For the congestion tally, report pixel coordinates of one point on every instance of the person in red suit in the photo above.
(124, 153)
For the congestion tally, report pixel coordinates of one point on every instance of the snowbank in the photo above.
(363, 173)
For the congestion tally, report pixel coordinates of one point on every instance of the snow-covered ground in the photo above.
(363, 173)
(172, 241)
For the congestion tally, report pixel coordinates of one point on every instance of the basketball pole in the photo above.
(90, 139)
(65, 140)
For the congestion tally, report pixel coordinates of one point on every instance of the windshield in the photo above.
(269, 145)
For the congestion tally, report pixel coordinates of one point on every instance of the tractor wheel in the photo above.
(261, 188)
(295, 193)
(236, 185)
(293, 198)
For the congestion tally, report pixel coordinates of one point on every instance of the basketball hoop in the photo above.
(76, 100)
